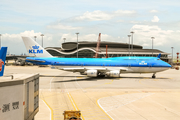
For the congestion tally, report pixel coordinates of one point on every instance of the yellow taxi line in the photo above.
(109, 82)
(52, 114)
(74, 104)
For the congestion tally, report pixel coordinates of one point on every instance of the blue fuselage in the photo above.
(108, 62)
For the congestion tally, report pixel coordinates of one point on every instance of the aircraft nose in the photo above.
(165, 64)
(168, 65)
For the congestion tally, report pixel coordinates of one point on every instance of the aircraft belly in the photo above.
(145, 69)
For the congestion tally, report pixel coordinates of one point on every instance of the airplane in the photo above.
(3, 52)
(95, 67)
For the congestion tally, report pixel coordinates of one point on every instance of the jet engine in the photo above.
(92, 73)
(114, 73)
(83, 73)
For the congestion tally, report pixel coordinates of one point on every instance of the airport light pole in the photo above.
(77, 44)
(64, 39)
(0, 41)
(132, 42)
(42, 39)
(152, 44)
(35, 38)
(172, 55)
(129, 44)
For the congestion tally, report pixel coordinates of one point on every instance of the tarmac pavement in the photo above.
(130, 97)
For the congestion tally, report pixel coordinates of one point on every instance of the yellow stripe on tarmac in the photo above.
(79, 77)
(109, 82)
(74, 104)
(141, 81)
(52, 117)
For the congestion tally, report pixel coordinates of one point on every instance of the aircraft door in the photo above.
(129, 64)
(137, 60)
(82, 64)
(103, 64)
(150, 65)
(52, 63)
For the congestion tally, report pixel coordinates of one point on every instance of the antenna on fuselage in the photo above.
(159, 56)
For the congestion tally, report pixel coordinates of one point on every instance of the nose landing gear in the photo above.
(154, 76)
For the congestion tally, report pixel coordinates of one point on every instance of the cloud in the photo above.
(163, 38)
(17, 37)
(153, 11)
(134, 22)
(64, 27)
(15, 43)
(125, 12)
(120, 21)
(88, 37)
(155, 19)
(95, 16)
(101, 15)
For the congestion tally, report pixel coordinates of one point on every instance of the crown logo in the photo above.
(35, 47)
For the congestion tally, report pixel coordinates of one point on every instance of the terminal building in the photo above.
(87, 49)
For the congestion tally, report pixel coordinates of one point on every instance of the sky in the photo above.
(114, 19)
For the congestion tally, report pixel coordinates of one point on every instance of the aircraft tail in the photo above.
(3, 52)
(34, 49)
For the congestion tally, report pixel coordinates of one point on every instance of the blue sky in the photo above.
(58, 19)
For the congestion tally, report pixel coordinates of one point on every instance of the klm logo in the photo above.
(35, 50)
(35, 47)
(142, 63)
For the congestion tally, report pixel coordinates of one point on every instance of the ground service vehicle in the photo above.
(72, 115)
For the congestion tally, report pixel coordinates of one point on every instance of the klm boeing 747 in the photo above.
(94, 67)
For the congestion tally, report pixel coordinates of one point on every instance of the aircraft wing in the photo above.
(31, 60)
(83, 69)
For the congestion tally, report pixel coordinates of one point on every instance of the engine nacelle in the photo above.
(114, 73)
(83, 73)
(92, 73)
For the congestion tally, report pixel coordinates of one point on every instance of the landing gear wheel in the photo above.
(153, 76)
(101, 75)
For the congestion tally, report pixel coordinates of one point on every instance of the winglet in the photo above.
(159, 56)
(3, 52)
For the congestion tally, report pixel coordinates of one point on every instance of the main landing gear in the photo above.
(154, 76)
(101, 75)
